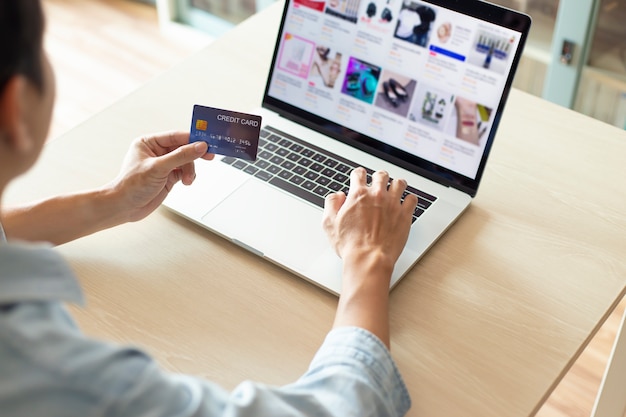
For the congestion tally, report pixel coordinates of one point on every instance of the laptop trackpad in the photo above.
(271, 222)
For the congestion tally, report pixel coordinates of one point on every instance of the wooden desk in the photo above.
(485, 325)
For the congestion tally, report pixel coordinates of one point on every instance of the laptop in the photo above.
(416, 88)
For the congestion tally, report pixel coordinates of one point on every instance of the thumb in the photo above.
(182, 156)
(332, 204)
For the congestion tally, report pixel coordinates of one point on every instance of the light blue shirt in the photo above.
(49, 368)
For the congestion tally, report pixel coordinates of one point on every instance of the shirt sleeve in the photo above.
(352, 374)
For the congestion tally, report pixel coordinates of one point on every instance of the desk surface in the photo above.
(485, 325)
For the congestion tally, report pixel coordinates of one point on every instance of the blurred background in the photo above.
(594, 81)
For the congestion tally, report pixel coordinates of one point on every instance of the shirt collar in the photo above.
(35, 273)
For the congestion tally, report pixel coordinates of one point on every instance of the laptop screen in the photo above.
(421, 84)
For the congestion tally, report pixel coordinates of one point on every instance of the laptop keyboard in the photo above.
(307, 171)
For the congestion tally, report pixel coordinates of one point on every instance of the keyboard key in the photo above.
(273, 169)
(273, 138)
(323, 180)
(264, 133)
(239, 164)
(305, 162)
(276, 160)
(423, 203)
(307, 153)
(428, 197)
(288, 165)
(228, 160)
(343, 168)
(341, 178)
(261, 164)
(263, 175)
(285, 143)
(335, 186)
(296, 148)
(321, 191)
(330, 163)
(308, 185)
(285, 174)
(299, 170)
(311, 175)
(296, 190)
(327, 172)
(316, 167)
(250, 170)
(293, 156)
(296, 179)
(318, 158)
(265, 155)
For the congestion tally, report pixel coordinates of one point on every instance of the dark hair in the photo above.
(21, 37)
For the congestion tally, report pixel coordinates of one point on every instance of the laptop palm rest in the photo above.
(272, 224)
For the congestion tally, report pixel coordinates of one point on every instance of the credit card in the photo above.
(226, 132)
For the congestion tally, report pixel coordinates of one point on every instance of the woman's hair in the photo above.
(21, 37)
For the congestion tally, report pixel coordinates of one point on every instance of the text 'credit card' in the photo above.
(226, 132)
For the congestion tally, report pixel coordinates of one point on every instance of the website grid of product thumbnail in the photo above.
(418, 77)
